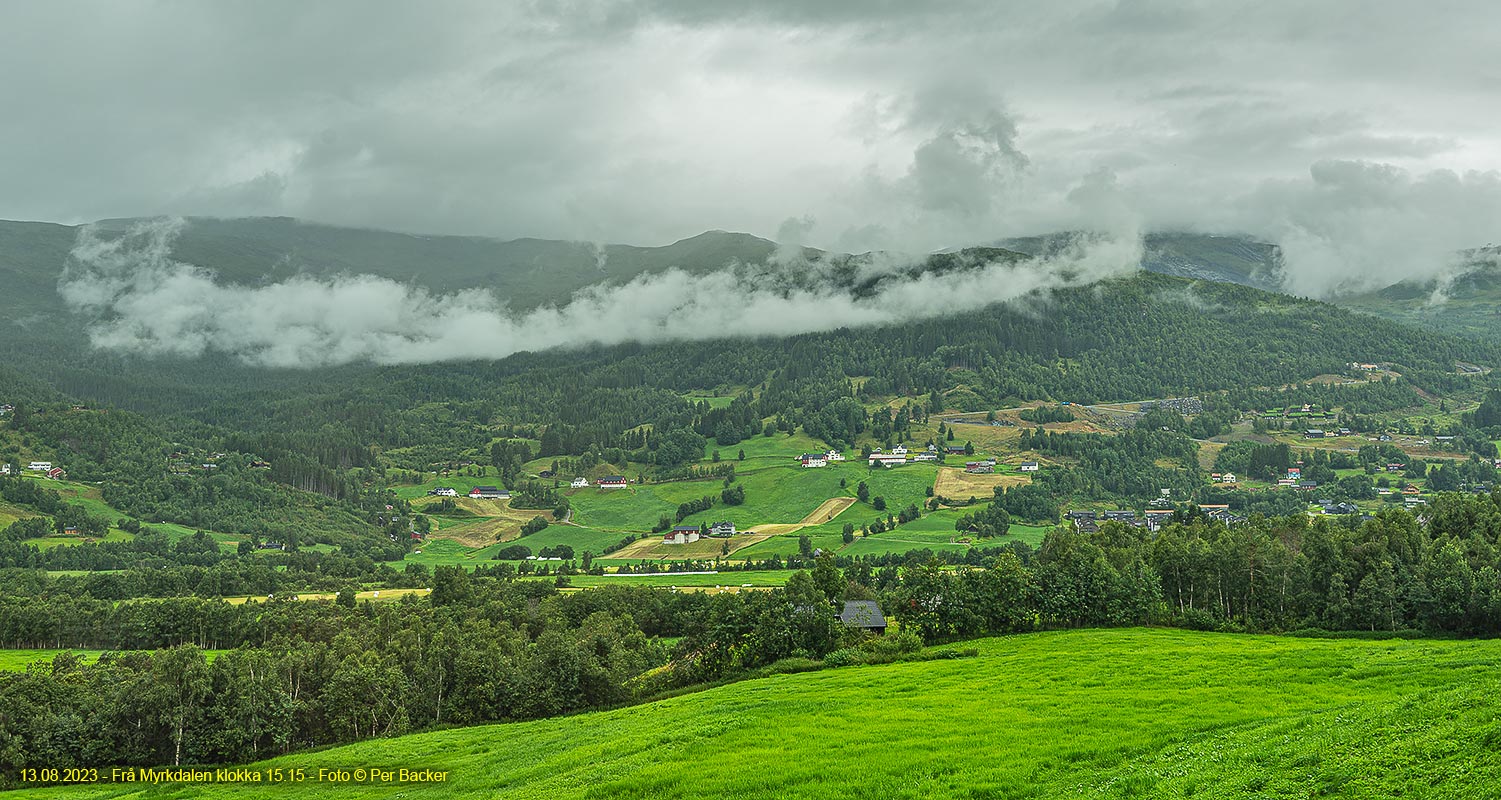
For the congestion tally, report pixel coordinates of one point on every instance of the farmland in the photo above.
(1091, 713)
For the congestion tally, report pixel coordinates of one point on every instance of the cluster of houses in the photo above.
(1320, 433)
(1224, 477)
(900, 455)
(1294, 480)
(688, 534)
(607, 482)
(1152, 519)
(813, 460)
(44, 467)
(497, 493)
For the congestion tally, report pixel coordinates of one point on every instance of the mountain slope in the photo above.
(1104, 713)
(1469, 305)
(1226, 259)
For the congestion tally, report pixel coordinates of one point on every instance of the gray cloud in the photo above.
(896, 125)
(142, 301)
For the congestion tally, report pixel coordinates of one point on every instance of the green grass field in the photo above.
(18, 660)
(758, 578)
(1095, 713)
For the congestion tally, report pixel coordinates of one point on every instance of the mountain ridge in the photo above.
(528, 272)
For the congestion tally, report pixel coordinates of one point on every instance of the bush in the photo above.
(898, 643)
(789, 666)
(515, 552)
(844, 657)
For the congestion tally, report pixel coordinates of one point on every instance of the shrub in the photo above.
(844, 657)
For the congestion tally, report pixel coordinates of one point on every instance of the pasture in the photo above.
(489, 521)
(19, 660)
(1088, 713)
(955, 483)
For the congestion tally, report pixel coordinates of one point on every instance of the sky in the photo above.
(1362, 137)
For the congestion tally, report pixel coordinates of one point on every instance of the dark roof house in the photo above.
(863, 614)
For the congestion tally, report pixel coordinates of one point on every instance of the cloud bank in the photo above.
(142, 301)
(1363, 138)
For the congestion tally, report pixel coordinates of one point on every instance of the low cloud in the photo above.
(140, 300)
(1354, 226)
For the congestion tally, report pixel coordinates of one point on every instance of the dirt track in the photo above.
(828, 510)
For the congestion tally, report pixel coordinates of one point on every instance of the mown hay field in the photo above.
(1092, 713)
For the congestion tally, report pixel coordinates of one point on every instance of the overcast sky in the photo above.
(1340, 129)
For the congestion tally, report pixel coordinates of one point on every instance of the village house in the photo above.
(1222, 513)
(886, 460)
(900, 450)
(55, 473)
(612, 482)
(1118, 516)
(833, 455)
(722, 529)
(39, 466)
(977, 467)
(681, 534)
(1313, 433)
(813, 460)
(488, 493)
(954, 449)
(1029, 466)
(1084, 521)
(1156, 518)
(1395, 467)
(863, 614)
(4, 469)
(580, 483)
(445, 491)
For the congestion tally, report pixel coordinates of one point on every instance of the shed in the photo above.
(863, 614)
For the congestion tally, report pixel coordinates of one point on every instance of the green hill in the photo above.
(1099, 713)
(264, 249)
(1226, 259)
(1470, 305)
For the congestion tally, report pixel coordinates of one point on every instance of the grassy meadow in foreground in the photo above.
(1098, 713)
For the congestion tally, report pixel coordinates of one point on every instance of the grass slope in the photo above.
(1118, 713)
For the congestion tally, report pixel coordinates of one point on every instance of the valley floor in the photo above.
(1094, 713)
